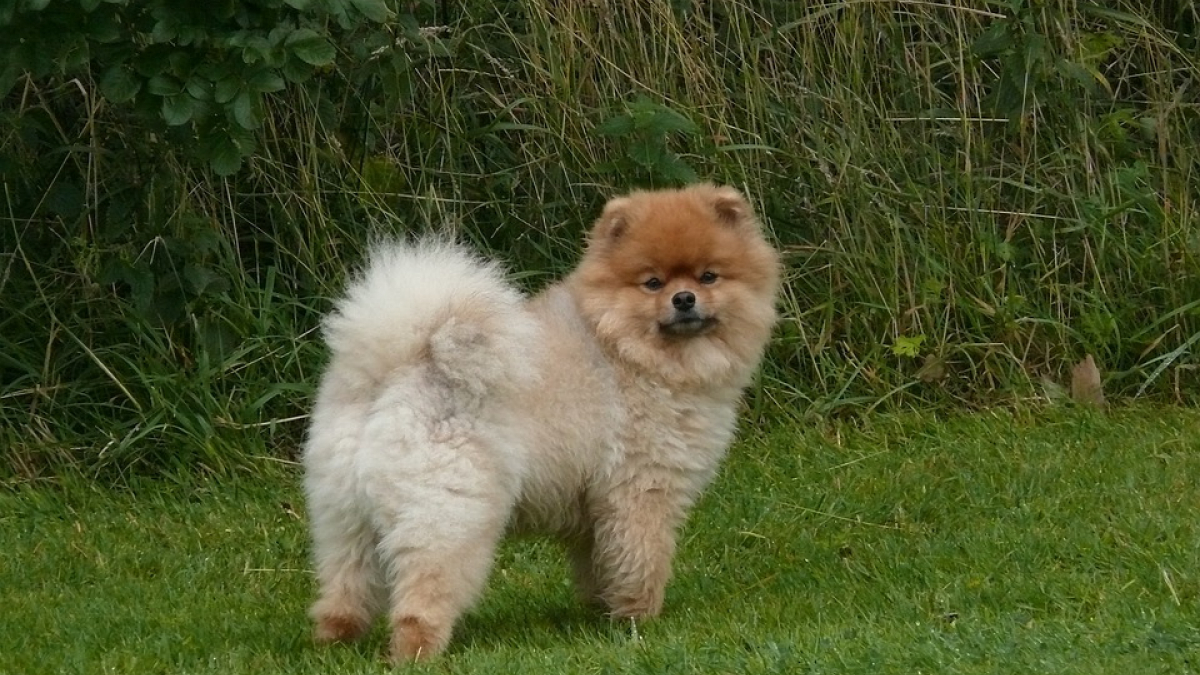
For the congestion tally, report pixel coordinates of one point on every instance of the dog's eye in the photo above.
(653, 284)
(708, 278)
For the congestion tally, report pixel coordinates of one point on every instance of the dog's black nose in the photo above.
(683, 300)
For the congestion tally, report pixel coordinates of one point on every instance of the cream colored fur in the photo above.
(454, 409)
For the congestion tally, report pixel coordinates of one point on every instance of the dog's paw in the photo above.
(414, 639)
(643, 606)
(339, 628)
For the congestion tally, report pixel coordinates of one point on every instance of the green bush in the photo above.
(970, 196)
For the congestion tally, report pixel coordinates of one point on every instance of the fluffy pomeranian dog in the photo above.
(455, 409)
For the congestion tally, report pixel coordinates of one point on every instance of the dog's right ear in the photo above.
(612, 223)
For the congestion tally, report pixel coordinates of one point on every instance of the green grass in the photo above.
(1053, 541)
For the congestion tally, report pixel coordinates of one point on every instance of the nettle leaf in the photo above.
(643, 106)
(666, 120)
(619, 125)
(138, 278)
(1037, 49)
(647, 153)
(993, 41)
(298, 4)
(119, 85)
(66, 198)
(673, 168)
(218, 338)
(203, 280)
(310, 47)
(375, 10)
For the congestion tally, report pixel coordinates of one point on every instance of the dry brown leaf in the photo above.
(932, 370)
(1086, 388)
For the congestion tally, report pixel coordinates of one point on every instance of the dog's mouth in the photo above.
(687, 324)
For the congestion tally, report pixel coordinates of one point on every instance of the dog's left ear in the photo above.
(731, 207)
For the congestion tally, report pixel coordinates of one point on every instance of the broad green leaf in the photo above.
(266, 81)
(296, 70)
(119, 85)
(1118, 15)
(310, 47)
(226, 89)
(9, 74)
(199, 88)
(245, 111)
(106, 29)
(164, 85)
(178, 109)
(226, 159)
(375, 10)
(164, 31)
(1037, 49)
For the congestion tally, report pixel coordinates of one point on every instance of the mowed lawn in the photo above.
(1058, 541)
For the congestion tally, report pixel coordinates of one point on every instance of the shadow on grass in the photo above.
(557, 622)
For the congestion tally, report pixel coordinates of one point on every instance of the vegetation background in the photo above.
(971, 195)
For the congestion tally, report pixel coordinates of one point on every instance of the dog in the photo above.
(455, 409)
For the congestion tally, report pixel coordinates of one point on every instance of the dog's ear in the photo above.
(612, 223)
(731, 207)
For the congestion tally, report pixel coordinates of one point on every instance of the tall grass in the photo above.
(971, 196)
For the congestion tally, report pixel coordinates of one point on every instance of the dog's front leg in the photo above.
(634, 545)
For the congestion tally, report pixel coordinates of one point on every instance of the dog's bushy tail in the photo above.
(436, 303)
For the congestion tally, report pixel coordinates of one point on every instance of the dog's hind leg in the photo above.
(343, 537)
(442, 487)
(432, 587)
(347, 571)
(437, 550)
(444, 515)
